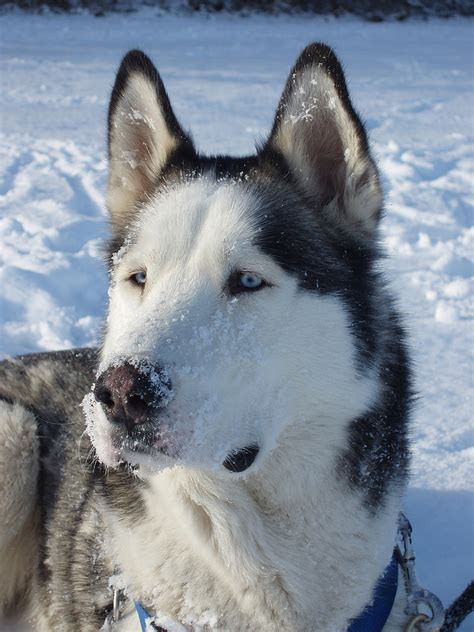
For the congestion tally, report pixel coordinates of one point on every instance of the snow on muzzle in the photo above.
(133, 393)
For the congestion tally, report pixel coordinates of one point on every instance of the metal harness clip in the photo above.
(425, 608)
(115, 615)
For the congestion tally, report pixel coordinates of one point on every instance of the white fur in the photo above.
(286, 545)
(258, 565)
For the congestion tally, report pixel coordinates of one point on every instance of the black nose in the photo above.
(130, 395)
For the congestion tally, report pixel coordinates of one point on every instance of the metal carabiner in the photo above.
(419, 599)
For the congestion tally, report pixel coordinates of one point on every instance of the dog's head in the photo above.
(240, 302)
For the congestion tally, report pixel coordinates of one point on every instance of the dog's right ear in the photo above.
(143, 135)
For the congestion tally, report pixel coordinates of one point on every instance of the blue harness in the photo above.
(374, 616)
(371, 619)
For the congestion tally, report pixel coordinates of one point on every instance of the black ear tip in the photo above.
(135, 57)
(319, 53)
(319, 49)
(136, 61)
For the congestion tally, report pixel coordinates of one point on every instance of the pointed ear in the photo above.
(143, 134)
(325, 144)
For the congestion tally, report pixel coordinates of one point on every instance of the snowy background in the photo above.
(413, 84)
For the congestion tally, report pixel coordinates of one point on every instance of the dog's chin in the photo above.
(148, 453)
(146, 463)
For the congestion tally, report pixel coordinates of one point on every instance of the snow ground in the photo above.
(413, 84)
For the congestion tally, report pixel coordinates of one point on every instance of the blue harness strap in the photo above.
(374, 616)
(143, 615)
(371, 619)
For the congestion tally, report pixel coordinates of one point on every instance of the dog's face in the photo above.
(239, 287)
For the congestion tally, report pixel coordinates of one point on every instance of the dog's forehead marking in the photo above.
(202, 219)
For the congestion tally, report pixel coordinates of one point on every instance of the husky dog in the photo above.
(246, 444)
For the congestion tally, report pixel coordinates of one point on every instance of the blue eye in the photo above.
(250, 281)
(240, 282)
(138, 278)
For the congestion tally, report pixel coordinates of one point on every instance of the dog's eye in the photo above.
(250, 281)
(245, 282)
(138, 278)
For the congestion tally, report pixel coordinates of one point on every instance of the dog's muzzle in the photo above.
(131, 395)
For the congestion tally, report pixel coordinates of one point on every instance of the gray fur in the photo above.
(68, 582)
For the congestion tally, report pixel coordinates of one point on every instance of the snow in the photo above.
(413, 84)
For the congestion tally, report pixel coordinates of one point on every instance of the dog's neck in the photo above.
(291, 542)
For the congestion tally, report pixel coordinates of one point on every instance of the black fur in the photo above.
(377, 458)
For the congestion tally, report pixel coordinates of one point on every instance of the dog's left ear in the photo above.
(323, 141)
(143, 135)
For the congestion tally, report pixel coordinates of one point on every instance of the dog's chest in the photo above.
(227, 574)
(168, 577)
(172, 563)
